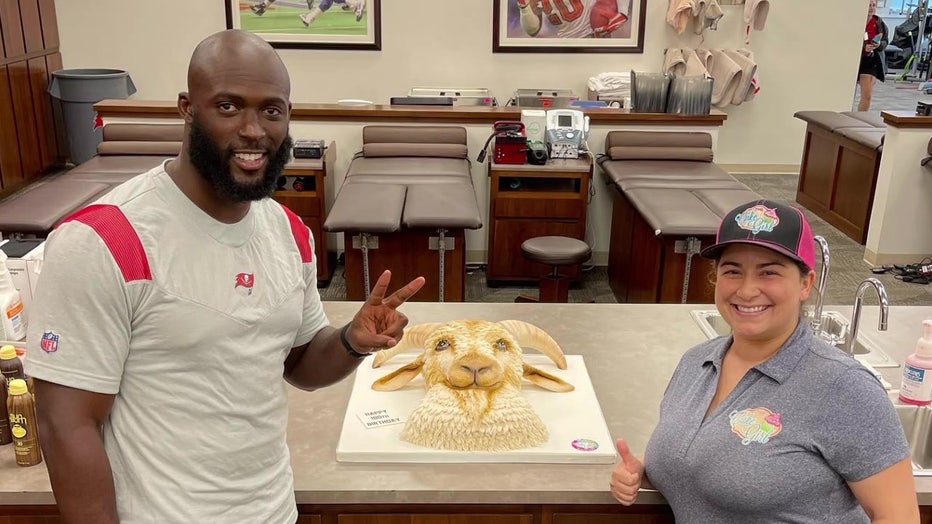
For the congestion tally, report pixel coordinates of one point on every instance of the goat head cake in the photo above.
(473, 371)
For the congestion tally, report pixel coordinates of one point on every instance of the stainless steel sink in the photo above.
(834, 324)
(917, 422)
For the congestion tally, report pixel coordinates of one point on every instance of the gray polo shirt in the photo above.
(782, 445)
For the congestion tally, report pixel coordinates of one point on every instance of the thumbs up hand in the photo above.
(626, 477)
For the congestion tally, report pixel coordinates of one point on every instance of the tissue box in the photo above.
(24, 260)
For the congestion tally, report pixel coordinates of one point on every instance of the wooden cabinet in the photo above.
(439, 514)
(607, 514)
(527, 201)
(423, 513)
(837, 179)
(308, 191)
(30, 121)
(389, 518)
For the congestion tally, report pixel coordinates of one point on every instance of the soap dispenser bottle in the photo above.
(917, 371)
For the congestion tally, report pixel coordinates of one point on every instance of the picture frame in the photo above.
(568, 26)
(310, 24)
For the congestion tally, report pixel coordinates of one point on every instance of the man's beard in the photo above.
(213, 164)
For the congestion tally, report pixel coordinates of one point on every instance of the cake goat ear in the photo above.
(546, 380)
(401, 376)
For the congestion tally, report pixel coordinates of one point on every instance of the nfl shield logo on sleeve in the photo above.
(49, 342)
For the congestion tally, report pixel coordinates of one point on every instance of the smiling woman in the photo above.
(770, 403)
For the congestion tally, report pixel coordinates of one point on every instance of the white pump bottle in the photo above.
(12, 316)
(917, 370)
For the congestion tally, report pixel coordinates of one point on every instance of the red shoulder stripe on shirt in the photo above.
(302, 236)
(119, 236)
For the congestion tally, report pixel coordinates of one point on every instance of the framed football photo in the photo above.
(568, 26)
(311, 24)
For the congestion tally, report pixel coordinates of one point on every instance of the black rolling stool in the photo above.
(554, 251)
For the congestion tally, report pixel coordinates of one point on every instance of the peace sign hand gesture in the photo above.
(378, 324)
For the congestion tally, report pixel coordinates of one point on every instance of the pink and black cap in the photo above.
(769, 224)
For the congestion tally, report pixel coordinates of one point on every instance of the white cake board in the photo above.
(573, 417)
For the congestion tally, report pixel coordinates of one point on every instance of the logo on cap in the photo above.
(758, 218)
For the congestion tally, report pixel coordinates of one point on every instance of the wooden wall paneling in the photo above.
(13, 44)
(32, 25)
(10, 162)
(32, 137)
(38, 84)
(2, 47)
(26, 129)
(49, 24)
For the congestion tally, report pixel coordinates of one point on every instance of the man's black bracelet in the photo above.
(349, 347)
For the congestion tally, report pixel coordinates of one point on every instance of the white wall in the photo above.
(807, 56)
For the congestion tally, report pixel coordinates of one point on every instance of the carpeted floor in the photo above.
(848, 268)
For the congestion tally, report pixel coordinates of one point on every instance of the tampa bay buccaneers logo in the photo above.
(244, 283)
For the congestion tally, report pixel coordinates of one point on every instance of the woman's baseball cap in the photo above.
(769, 224)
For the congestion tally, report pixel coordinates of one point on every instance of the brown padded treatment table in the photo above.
(126, 151)
(404, 205)
(668, 201)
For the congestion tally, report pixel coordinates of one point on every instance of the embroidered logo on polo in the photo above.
(755, 425)
(244, 283)
(758, 218)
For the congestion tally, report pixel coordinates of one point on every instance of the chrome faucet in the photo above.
(816, 321)
(856, 312)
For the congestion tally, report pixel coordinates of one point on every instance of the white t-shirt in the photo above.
(188, 322)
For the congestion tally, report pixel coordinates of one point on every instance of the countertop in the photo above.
(630, 351)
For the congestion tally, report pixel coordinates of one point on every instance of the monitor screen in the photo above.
(565, 120)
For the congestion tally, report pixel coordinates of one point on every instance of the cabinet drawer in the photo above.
(540, 208)
(302, 203)
(402, 518)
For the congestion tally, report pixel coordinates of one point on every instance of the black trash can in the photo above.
(79, 90)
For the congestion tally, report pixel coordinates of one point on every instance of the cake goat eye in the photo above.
(501, 345)
(443, 344)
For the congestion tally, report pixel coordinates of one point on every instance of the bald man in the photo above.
(171, 309)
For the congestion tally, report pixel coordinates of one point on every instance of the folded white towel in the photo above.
(748, 71)
(726, 76)
(695, 66)
(674, 63)
(755, 13)
(708, 18)
(680, 13)
(698, 16)
(607, 82)
(755, 16)
(755, 82)
(705, 56)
